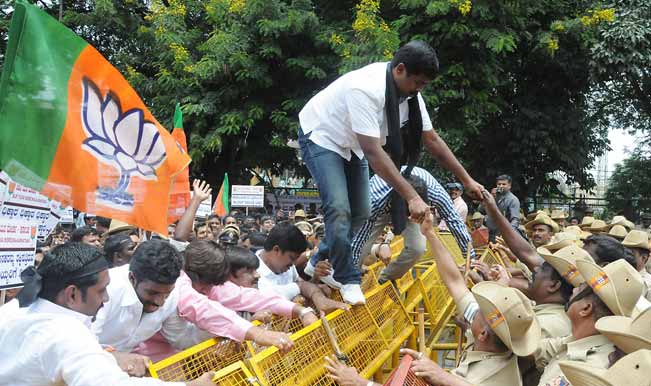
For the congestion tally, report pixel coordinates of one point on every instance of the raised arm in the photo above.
(445, 264)
(202, 191)
(518, 245)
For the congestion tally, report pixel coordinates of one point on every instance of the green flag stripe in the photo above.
(178, 117)
(226, 193)
(34, 89)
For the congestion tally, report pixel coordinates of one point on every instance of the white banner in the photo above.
(204, 208)
(17, 247)
(20, 203)
(247, 195)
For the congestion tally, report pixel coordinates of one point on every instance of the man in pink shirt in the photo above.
(455, 190)
(211, 302)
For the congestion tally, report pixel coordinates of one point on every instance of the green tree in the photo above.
(242, 70)
(629, 189)
(512, 93)
(620, 57)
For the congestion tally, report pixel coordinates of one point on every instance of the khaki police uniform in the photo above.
(592, 350)
(489, 369)
(553, 320)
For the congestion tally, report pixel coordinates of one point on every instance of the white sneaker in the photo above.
(352, 294)
(329, 280)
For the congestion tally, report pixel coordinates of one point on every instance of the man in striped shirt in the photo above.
(430, 191)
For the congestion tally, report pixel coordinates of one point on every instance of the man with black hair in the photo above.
(605, 249)
(86, 235)
(214, 223)
(343, 130)
(118, 249)
(508, 204)
(266, 224)
(50, 343)
(257, 240)
(551, 286)
(415, 244)
(278, 274)
(102, 224)
(143, 301)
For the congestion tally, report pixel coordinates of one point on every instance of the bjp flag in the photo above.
(180, 194)
(73, 128)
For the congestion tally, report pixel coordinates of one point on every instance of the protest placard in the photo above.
(247, 196)
(24, 204)
(204, 208)
(17, 247)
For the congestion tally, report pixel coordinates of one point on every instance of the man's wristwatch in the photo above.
(306, 311)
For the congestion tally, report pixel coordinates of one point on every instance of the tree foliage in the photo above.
(629, 191)
(620, 58)
(518, 90)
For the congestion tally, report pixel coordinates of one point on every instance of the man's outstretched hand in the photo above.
(474, 189)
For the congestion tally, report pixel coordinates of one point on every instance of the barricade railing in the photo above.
(369, 336)
(210, 355)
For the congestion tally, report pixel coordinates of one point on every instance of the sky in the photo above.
(622, 143)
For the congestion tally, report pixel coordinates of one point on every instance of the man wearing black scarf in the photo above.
(371, 116)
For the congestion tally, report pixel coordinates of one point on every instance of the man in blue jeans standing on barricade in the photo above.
(344, 129)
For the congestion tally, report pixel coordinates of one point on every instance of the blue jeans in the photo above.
(344, 190)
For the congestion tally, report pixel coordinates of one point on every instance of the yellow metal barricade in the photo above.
(390, 315)
(302, 366)
(236, 374)
(451, 245)
(190, 364)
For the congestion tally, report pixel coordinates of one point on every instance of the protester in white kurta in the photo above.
(49, 342)
(124, 323)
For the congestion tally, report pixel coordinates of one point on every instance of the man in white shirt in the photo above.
(282, 248)
(143, 301)
(50, 342)
(343, 130)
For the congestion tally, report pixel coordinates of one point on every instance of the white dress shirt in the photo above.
(52, 345)
(353, 104)
(123, 325)
(283, 284)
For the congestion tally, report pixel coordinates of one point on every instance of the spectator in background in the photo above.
(102, 224)
(507, 203)
(266, 224)
(257, 239)
(229, 220)
(86, 235)
(90, 220)
(119, 249)
(477, 221)
(214, 223)
(299, 216)
(455, 190)
(203, 231)
(250, 222)
(574, 221)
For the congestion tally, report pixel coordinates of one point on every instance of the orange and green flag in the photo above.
(221, 207)
(180, 194)
(73, 128)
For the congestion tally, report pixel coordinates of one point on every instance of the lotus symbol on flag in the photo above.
(124, 140)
